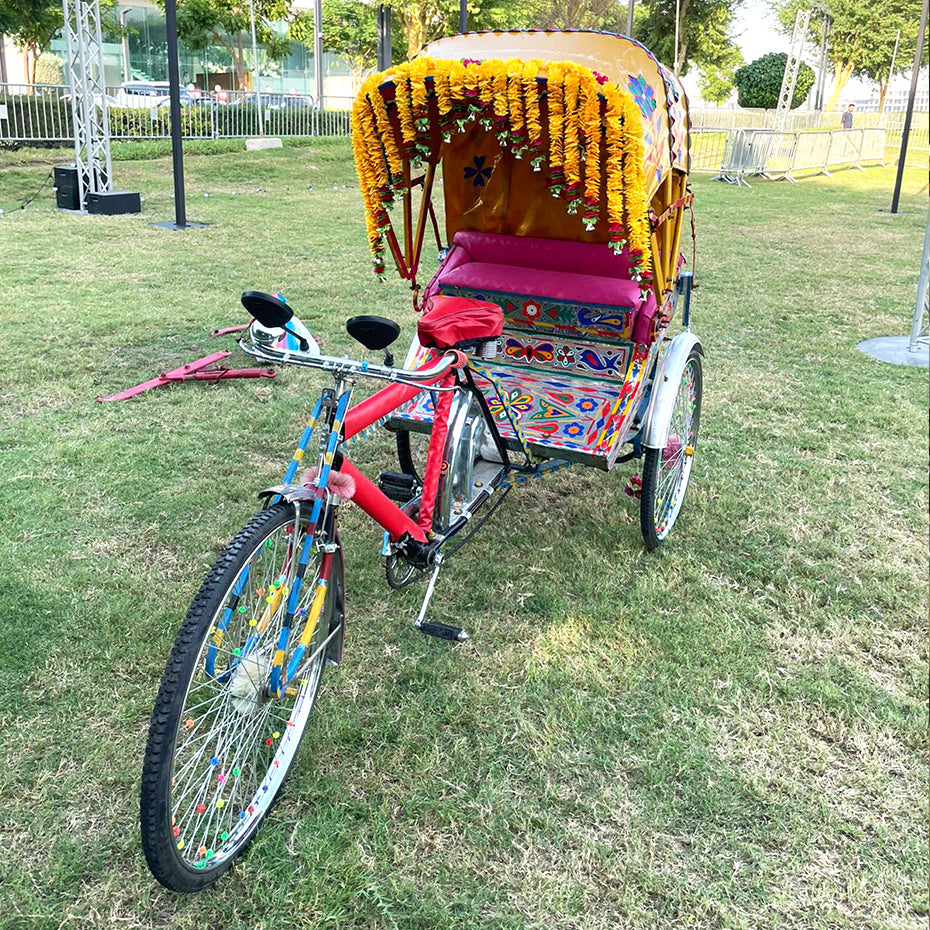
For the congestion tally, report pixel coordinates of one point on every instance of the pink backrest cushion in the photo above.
(545, 254)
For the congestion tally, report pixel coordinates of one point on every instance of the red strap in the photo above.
(677, 205)
(434, 461)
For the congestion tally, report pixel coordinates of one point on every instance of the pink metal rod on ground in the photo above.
(193, 371)
(226, 330)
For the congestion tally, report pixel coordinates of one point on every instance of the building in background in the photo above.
(142, 56)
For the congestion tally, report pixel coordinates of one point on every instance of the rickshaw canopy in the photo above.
(555, 135)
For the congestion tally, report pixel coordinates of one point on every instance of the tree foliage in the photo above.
(424, 20)
(759, 82)
(862, 37)
(202, 23)
(716, 84)
(704, 33)
(31, 24)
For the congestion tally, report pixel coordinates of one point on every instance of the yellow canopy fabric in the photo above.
(658, 93)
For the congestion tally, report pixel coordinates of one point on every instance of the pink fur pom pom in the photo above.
(342, 486)
(672, 447)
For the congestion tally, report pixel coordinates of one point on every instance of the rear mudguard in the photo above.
(665, 389)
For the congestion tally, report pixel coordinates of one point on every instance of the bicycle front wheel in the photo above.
(225, 729)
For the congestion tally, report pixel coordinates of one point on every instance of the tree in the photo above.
(421, 21)
(716, 84)
(577, 14)
(862, 37)
(704, 32)
(759, 82)
(31, 24)
(716, 80)
(202, 23)
(350, 30)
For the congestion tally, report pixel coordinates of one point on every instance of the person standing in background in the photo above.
(847, 118)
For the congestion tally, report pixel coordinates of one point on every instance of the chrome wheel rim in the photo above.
(675, 461)
(234, 743)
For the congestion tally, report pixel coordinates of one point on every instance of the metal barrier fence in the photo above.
(720, 118)
(42, 113)
(752, 152)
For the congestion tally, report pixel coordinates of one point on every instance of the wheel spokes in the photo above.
(235, 727)
(674, 462)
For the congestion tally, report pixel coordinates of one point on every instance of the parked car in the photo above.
(147, 94)
(142, 94)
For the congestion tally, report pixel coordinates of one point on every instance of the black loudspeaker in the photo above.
(110, 203)
(66, 188)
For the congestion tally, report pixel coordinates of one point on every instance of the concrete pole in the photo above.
(629, 18)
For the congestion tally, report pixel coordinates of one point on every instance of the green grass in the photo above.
(731, 733)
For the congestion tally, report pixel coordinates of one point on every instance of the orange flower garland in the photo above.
(572, 144)
(594, 138)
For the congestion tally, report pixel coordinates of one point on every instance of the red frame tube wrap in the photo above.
(380, 507)
(340, 639)
(381, 403)
(437, 444)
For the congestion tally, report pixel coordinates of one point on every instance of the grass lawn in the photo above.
(729, 733)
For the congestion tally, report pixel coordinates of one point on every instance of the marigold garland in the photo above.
(572, 144)
(556, 102)
(594, 132)
(517, 135)
(591, 115)
(531, 110)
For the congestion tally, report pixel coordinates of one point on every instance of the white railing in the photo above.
(42, 113)
(755, 152)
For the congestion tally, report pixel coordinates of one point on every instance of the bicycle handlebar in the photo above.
(262, 343)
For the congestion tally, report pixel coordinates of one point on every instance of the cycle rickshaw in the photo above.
(563, 163)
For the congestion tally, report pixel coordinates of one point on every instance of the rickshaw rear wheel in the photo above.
(667, 471)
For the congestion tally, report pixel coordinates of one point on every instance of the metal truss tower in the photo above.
(792, 66)
(85, 73)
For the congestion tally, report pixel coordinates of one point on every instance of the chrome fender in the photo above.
(665, 389)
(463, 445)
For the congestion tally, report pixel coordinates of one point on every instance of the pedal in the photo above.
(397, 486)
(443, 631)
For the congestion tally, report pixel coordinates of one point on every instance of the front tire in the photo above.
(220, 742)
(667, 471)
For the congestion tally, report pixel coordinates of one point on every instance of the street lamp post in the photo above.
(318, 50)
(909, 114)
(255, 84)
(125, 42)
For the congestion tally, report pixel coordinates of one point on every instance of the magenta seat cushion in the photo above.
(535, 282)
(549, 254)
